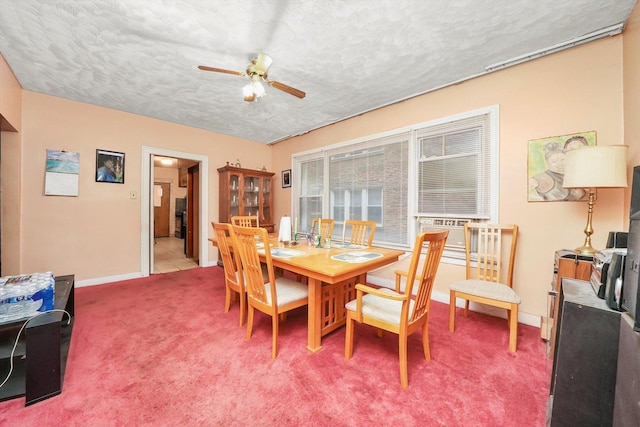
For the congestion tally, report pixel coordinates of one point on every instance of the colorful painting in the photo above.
(62, 169)
(546, 167)
(109, 166)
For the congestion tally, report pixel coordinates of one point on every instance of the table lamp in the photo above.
(591, 168)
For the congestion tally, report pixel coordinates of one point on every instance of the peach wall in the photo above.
(10, 97)
(98, 233)
(631, 72)
(577, 90)
(10, 152)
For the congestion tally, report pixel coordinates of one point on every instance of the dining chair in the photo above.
(487, 282)
(279, 295)
(325, 229)
(233, 277)
(360, 232)
(401, 311)
(245, 220)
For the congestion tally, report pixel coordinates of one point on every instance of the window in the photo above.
(365, 204)
(311, 189)
(358, 174)
(374, 205)
(453, 169)
(431, 176)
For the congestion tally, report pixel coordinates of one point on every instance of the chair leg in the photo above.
(348, 341)
(274, 338)
(243, 307)
(249, 321)
(452, 311)
(425, 341)
(466, 308)
(227, 299)
(404, 375)
(513, 328)
(380, 333)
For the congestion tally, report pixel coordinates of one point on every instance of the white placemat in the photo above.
(356, 257)
(283, 252)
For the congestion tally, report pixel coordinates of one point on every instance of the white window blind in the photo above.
(454, 169)
(311, 191)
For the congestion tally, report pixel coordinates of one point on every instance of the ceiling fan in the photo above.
(257, 72)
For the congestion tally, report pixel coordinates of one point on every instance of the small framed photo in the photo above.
(109, 166)
(286, 178)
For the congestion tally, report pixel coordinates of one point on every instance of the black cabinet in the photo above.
(40, 358)
(626, 409)
(583, 379)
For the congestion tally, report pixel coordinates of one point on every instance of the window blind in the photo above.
(454, 165)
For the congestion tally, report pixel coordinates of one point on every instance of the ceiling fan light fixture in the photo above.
(247, 91)
(257, 72)
(258, 88)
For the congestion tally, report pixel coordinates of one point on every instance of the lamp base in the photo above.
(586, 249)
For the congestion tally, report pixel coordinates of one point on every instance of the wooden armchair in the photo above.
(400, 312)
(233, 277)
(360, 232)
(279, 295)
(487, 282)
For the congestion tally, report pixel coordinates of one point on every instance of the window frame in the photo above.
(412, 190)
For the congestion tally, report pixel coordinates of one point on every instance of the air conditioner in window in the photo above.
(454, 225)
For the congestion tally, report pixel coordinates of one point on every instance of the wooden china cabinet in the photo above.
(246, 192)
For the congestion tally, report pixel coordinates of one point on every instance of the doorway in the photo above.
(174, 251)
(199, 186)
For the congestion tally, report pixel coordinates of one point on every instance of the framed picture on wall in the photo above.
(109, 166)
(545, 167)
(286, 178)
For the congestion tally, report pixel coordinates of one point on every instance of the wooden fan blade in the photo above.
(285, 88)
(221, 70)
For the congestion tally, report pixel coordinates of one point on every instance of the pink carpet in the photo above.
(159, 351)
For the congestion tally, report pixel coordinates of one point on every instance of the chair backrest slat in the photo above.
(247, 239)
(326, 228)
(230, 260)
(491, 255)
(424, 277)
(245, 220)
(361, 232)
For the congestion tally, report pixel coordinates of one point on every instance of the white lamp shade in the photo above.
(594, 167)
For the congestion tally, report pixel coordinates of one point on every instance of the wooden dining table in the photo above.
(331, 276)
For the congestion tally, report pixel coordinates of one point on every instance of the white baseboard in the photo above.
(108, 279)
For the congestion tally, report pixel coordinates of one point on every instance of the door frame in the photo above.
(146, 204)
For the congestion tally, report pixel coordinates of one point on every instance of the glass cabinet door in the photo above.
(266, 201)
(251, 194)
(234, 195)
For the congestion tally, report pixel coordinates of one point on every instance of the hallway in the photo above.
(168, 256)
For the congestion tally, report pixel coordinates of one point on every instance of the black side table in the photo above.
(40, 358)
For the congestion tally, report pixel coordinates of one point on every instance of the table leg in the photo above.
(314, 339)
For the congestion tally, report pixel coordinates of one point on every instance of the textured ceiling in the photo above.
(349, 56)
